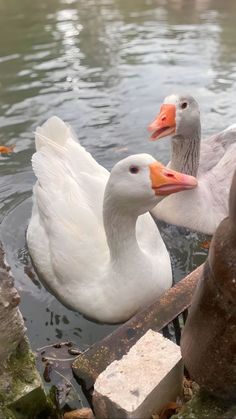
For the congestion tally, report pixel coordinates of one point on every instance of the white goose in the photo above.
(98, 267)
(214, 164)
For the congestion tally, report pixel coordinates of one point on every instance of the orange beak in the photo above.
(165, 123)
(165, 181)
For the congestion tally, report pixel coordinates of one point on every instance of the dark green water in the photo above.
(104, 67)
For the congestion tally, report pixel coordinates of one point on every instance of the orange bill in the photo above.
(164, 124)
(6, 150)
(166, 181)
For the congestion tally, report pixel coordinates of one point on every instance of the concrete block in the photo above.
(141, 382)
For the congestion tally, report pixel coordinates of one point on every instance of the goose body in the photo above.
(90, 237)
(211, 160)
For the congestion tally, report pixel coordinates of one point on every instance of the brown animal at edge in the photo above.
(208, 342)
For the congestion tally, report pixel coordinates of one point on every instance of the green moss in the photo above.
(205, 406)
(21, 391)
(6, 414)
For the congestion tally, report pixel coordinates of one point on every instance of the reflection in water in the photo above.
(104, 66)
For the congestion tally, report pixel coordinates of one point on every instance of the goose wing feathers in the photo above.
(69, 195)
(217, 147)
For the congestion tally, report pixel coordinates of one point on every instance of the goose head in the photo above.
(179, 116)
(138, 182)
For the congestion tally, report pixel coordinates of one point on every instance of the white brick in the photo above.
(143, 381)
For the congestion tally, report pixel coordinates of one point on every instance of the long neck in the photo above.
(185, 154)
(120, 226)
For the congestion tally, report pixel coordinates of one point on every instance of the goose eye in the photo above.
(134, 169)
(184, 105)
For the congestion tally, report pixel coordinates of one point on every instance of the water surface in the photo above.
(104, 66)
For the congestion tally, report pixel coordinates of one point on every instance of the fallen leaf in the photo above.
(84, 413)
(47, 372)
(205, 244)
(169, 410)
(6, 149)
(55, 362)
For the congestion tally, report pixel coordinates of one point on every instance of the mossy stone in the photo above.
(205, 406)
(21, 392)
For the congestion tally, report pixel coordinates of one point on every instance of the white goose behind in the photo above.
(212, 161)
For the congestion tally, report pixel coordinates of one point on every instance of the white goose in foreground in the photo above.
(214, 164)
(90, 253)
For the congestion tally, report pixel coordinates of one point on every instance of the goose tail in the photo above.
(54, 130)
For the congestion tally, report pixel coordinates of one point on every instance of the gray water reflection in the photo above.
(103, 66)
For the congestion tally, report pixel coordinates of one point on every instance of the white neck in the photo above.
(185, 154)
(120, 226)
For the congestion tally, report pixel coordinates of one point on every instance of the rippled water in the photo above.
(104, 67)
